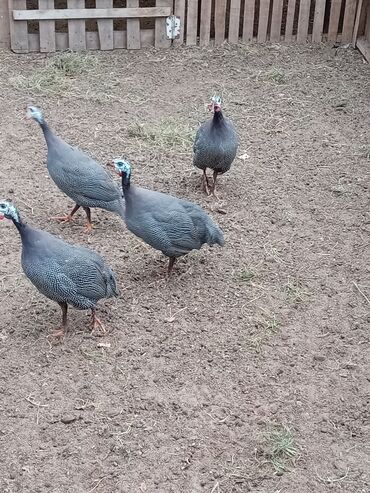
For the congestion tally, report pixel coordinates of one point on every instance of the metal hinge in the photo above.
(172, 26)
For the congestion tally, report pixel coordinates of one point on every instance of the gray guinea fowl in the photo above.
(171, 225)
(215, 145)
(81, 178)
(68, 274)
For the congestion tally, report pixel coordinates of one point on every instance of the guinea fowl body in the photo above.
(81, 178)
(171, 225)
(215, 144)
(65, 273)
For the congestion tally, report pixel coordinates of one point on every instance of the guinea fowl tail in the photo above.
(112, 288)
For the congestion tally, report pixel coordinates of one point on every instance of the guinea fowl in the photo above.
(81, 178)
(171, 225)
(65, 273)
(215, 145)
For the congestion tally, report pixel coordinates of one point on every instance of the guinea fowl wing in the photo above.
(82, 175)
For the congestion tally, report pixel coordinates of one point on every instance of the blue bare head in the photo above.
(8, 210)
(123, 168)
(35, 113)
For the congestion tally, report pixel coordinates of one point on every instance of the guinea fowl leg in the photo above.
(215, 174)
(205, 182)
(170, 265)
(89, 225)
(95, 322)
(61, 332)
(68, 217)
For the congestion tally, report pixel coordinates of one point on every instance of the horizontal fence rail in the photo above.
(49, 25)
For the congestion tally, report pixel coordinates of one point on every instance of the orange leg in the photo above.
(205, 183)
(89, 225)
(68, 217)
(95, 322)
(60, 333)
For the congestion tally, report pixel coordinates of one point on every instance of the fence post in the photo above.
(4, 25)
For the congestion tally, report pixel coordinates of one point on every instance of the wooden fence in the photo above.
(361, 32)
(49, 25)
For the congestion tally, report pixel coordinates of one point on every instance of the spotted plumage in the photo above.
(215, 145)
(65, 273)
(171, 225)
(81, 178)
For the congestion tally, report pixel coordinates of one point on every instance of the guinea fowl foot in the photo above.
(96, 323)
(88, 228)
(58, 334)
(63, 219)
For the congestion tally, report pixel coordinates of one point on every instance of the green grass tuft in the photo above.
(167, 134)
(246, 275)
(53, 76)
(281, 449)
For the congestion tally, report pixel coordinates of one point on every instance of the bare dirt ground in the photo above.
(249, 369)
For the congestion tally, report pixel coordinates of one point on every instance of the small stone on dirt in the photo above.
(68, 418)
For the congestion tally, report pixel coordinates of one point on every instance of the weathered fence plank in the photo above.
(180, 12)
(263, 21)
(83, 14)
(220, 20)
(205, 22)
(290, 21)
(303, 20)
(133, 28)
(276, 17)
(4, 25)
(248, 20)
(105, 26)
(318, 21)
(47, 29)
(161, 40)
(18, 30)
(76, 28)
(192, 23)
(234, 21)
(348, 20)
(334, 19)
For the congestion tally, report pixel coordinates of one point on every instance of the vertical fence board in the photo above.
(234, 21)
(318, 21)
(76, 28)
(4, 25)
(205, 22)
(220, 16)
(348, 20)
(334, 19)
(105, 26)
(263, 21)
(180, 12)
(47, 29)
(160, 39)
(133, 28)
(276, 17)
(359, 14)
(192, 23)
(289, 21)
(303, 19)
(248, 20)
(18, 29)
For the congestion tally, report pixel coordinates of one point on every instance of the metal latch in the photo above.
(172, 26)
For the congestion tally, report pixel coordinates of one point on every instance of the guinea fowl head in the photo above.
(8, 210)
(123, 168)
(215, 104)
(35, 113)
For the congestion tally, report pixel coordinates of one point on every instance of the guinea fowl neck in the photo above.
(19, 224)
(218, 117)
(48, 134)
(125, 183)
